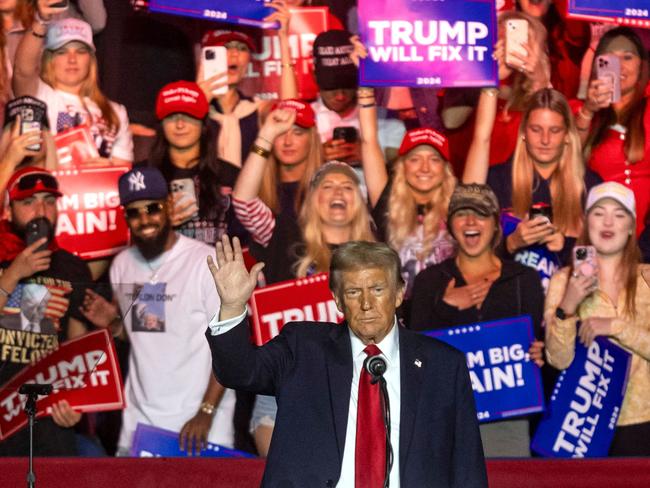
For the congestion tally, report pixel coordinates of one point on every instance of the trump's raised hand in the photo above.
(233, 281)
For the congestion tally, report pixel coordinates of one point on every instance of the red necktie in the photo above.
(370, 453)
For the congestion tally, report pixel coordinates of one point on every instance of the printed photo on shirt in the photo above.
(148, 311)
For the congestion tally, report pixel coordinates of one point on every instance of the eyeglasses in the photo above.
(30, 181)
(149, 209)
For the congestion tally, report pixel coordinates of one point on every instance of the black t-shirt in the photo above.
(287, 194)
(517, 291)
(380, 213)
(33, 323)
(500, 180)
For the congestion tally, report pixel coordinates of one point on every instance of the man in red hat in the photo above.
(41, 290)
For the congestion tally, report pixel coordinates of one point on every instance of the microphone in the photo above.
(375, 366)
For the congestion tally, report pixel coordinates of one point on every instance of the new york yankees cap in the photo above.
(142, 183)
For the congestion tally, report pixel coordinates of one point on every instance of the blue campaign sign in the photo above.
(149, 441)
(586, 402)
(242, 12)
(505, 382)
(630, 12)
(428, 44)
(538, 257)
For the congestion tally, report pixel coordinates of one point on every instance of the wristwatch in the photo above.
(560, 314)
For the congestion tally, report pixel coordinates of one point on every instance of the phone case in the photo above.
(185, 186)
(31, 126)
(584, 260)
(215, 61)
(516, 36)
(608, 69)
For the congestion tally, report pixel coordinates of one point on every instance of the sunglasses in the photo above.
(149, 209)
(30, 181)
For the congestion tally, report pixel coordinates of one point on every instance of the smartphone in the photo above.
(584, 260)
(37, 229)
(608, 69)
(186, 187)
(215, 61)
(516, 37)
(541, 210)
(349, 134)
(31, 126)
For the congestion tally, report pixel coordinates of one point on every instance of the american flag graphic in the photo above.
(67, 120)
(57, 304)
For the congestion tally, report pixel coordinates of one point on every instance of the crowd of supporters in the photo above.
(431, 172)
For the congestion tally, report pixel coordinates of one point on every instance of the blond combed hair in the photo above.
(271, 180)
(317, 252)
(89, 88)
(403, 213)
(567, 181)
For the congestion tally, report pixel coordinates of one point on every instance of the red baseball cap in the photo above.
(30, 180)
(426, 136)
(185, 97)
(305, 116)
(221, 37)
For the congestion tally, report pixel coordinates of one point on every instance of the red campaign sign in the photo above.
(83, 371)
(294, 300)
(90, 209)
(265, 68)
(74, 147)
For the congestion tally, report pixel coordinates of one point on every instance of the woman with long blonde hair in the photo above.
(607, 296)
(546, 172)
(65, 77)
(409, 206)
(520, 76)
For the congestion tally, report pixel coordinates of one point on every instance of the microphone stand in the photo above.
(389, 447)
(32, 390)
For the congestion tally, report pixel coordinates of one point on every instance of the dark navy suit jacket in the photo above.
(308, 367)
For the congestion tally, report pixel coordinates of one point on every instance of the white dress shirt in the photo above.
(389, 348)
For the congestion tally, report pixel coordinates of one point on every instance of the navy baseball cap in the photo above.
(142, 183)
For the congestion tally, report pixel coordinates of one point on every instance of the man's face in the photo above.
(340, 101)
(150, 226)
(368, 299)
(40, 204)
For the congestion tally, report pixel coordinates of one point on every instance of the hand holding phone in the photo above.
(214, 60)
(516, 37)
(585, 262)
(608, 70)
(348, 134)
(37, 229)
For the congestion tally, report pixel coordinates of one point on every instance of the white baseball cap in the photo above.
(610, 189)
(61, 32)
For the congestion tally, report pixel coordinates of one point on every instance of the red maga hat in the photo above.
(185, 97)
(426, 136)
(31, 180)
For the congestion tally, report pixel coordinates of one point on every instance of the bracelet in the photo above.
(207, 408)
(36, 34)
(492, 92)
(260, 151)
(367, 105)
(288, 65)
(265, 140)
(4, 292)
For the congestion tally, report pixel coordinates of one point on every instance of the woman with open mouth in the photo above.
(478, 286)
(610, 298)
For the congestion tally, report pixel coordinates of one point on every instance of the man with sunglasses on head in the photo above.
(41, 290)
(162, 276)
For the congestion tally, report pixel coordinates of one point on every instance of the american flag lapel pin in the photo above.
(418, 363)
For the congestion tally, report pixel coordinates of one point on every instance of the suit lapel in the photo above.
(339, 372)
(411, 370)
